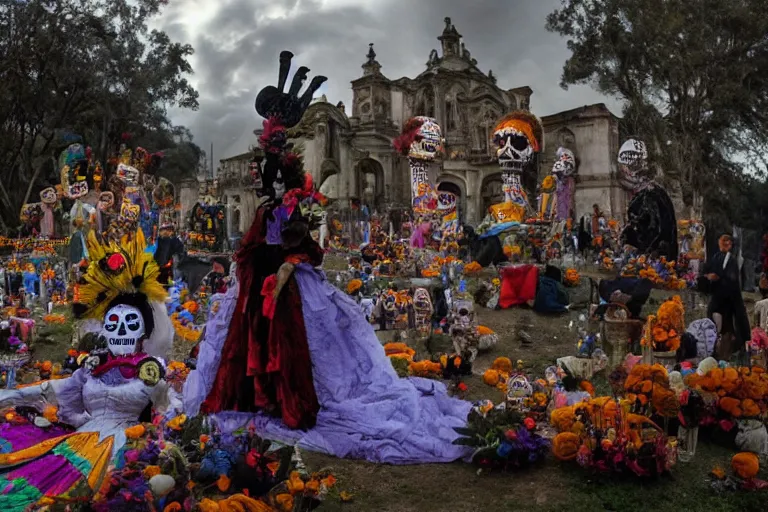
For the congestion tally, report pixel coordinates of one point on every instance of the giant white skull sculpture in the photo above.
(123, 328)
(429, 142)
(633, 163)
(514, 150)
(517, 138)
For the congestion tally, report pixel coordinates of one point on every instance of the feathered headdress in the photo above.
(122, 273)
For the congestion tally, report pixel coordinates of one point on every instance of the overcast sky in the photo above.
(237, 43)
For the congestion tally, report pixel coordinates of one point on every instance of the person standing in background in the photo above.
(726, 305)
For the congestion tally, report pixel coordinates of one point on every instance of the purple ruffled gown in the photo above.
(366, 410)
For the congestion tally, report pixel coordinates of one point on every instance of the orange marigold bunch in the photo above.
(354, 285)
(426, 369)
(472, 268)
(572, 277)
(663, 331)
(602, 411)
(399, 351)
(649, 384)
(740, 392)
(498, 374)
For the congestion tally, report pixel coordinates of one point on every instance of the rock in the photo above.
(161, 485)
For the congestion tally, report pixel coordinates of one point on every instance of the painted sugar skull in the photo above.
(123, 329)
(428, 143)
(565, 165)
(518, 389)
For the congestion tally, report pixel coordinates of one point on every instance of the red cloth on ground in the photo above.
(518, 285)
(265, 364)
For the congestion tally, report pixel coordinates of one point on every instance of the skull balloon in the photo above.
(123, 328)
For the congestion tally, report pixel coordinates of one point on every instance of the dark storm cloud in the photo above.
(237, 52)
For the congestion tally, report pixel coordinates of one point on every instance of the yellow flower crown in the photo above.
(115, 270)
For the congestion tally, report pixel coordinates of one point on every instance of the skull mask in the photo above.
(124, 329)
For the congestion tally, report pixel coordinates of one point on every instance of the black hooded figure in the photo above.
(651, 224)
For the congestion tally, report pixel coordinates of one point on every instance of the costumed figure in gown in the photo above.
(289, 352)
(651, 225)
(66, 455)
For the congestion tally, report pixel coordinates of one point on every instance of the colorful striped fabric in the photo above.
(58, 468)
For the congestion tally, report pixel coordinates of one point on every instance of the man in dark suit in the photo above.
(726, 305)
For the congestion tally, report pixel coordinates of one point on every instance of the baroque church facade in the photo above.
(352, 159)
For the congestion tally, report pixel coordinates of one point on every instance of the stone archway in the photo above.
(457, 187)
(370, 183)
(491, 192)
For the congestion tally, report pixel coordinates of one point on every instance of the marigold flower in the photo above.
(135, 432)
(746, 465)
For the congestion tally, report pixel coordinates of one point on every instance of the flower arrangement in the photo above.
(426, 369)
(647, 389)
(176, 374)
(498, 374)
(745, 465)
(731, 394)
(184, 330)
(663, 330)
(758, 347)
(605, 437)
(399, 351)
(55, 319)
(571, 278)
(662, 273)
(354, 286)
(503, 439)
(472, 268)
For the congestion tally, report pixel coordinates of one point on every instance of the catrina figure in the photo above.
(294, 354)
(43, 461)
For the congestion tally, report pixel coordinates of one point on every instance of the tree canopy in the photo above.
(87, 68)
(693, 75)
